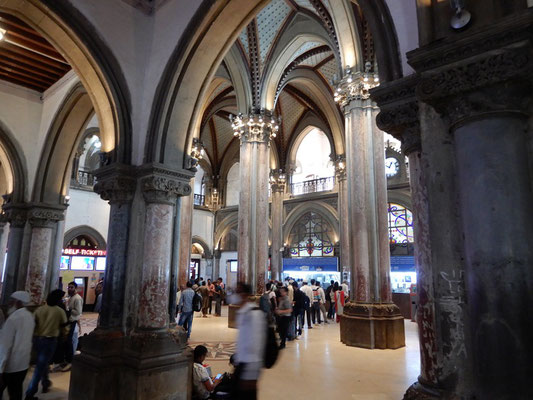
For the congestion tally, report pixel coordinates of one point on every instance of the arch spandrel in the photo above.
(14, 166)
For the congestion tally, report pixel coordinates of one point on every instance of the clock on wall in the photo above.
(392, 166)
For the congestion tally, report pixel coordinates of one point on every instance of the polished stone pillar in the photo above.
(278, 189)
(150, 360)
(43, 220)
(253, 199)
(16, 216)
(116, 184)
(486, 100)
(371, 320)
(399, 116)
(342, 187)
(185, 237)
(4, 231)
(216, 270)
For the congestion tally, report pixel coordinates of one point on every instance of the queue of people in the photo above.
(52, 332)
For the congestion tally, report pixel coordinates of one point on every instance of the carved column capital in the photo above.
(340, 167)
(398, 114)
(116, 183)
(259, 127)
(495, 82)
(15, 214)
(278, 180)
(163, 185)
(44, 215)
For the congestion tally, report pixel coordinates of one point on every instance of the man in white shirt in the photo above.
(15, 345)
(251, 340)
(308, 291)
(322, 302)
(75, 307)
(346, 290)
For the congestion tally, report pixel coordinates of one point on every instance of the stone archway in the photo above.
(13, 165)
(84, 230)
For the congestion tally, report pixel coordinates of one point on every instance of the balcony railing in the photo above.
(84, 179)
(313, 186)
(199, 200)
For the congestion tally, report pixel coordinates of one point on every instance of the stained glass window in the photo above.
(400, 225)
(311, 237)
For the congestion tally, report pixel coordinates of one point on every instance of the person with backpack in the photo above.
(306, 289)
(188, 299)
(284, 312)
(252, 344)
(298, 309)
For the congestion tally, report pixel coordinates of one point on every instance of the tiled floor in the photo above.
(317, 366)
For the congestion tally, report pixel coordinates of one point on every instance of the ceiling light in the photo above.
(2, 33)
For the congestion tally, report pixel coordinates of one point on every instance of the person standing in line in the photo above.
(330, 303)
(211, 287)
(292, 331)
(50, 323)
(74, 309)
(222, 290)
(218, 298)
(186, 310)
(15, 345)
(251, 341)
(284, 312)
(306, 289)
(339, 303)
(204, 292)
(315, 311)
(322, 302)
(346, 289)
(298, 309)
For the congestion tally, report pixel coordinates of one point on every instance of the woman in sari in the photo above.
(339, 302)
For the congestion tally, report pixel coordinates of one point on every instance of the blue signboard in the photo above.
(402, 264)
(317, 264)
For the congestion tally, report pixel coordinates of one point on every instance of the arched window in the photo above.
(199, 183)
(400, 229)
(233, 186)
(314, 170)
(82, 242)
(311, 236)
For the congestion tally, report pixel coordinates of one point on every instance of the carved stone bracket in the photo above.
(495, 82)
(116, 183)
(399, 111)
(15, 214)
(163, 185)
(44, 215)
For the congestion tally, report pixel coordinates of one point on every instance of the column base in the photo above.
(142, 366)
(420, 391)
(372, 326)
(232, 315)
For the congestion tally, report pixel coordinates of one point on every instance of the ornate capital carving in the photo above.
(498, 81)
(355, 86)
(115, 183)
(398, 114)
(15, 214)
(44, 215)
(259, 127)
(340, 167)
(278, 179)
(163, 185)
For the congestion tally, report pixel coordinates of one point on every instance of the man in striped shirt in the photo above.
(186, 309)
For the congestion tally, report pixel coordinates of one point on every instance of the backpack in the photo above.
(271, 343)
(264, 303)
(197, 302)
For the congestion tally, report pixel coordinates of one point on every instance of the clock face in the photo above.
(392, 167)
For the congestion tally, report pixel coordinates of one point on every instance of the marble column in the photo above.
(4, 231)
(278, 189)
(342, 187)
(116, 184)
(399, 116)
(371, 320)
(216, 269)
(487, 107)
(185, 237)
(150, 360)
(16, 216)
(254, 135)
(43, 219)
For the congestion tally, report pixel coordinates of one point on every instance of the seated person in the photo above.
(202, 385)
(227, 381)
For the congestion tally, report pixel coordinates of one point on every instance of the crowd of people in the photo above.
(52, 331)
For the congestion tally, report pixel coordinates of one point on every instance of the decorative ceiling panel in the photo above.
(224, 133)
(329, 70)
(314, 60)
(305, 47)
(291, 111)
(244, 40)
(305, 4)
(224, 85)
(269, 22)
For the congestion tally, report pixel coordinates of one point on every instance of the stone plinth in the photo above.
(232, 316)
(143, 366)
(372, 326)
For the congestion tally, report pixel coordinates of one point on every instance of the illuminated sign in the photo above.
(84, 252)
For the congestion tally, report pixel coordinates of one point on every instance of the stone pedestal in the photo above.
(232, 316)
(372, 326)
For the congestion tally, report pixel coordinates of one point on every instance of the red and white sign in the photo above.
(84, 252)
